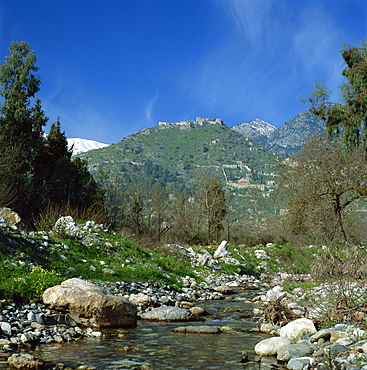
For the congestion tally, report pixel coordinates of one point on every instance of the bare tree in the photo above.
(212, 200)
(320, 183)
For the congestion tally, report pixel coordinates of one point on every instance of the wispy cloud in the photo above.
(273, 51)
(58, 84)
(316, 45)
(251, 18)
(148, 108)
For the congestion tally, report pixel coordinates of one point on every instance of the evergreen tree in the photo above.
(43, 170)
(349, 118)
(68, 180)
(21, 124)
(19, 84)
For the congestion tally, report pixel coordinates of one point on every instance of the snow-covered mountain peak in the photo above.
(255, 130)
(83, 145)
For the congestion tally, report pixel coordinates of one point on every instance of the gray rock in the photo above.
(340, 363)
(34, 317)
(165, 313)
(200, 329)
(231, 260)
(207, 260)
(299, 363)
(27, 337)
(337, 349)
(66, 225)
(323, 333)
(293, 350)
(6, 328)
(221, 251)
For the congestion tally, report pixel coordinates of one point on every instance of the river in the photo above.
(156, 346)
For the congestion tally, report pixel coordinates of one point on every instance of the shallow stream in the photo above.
(155, 345)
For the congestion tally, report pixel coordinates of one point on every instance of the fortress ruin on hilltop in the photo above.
(198, 122)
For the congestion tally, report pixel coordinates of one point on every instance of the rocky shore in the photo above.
(292, 319)
(297, 341)
(29, 325)
(296, 344)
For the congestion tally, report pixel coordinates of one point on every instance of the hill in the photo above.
(181, 149)
(179, 154)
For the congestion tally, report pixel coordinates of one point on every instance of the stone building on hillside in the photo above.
(198, 122)
(245, 183)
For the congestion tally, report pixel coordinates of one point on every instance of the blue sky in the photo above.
(110, 68)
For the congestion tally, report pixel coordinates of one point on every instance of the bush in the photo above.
(341, 261)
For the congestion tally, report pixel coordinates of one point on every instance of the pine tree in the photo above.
(20, 84)
(68, 180)
(347, 119)
(21, 125)
(43, 170)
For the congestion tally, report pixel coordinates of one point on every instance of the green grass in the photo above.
(27, 268)
(289, 286)
(297, 260)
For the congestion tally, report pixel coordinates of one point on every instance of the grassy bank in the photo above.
(30, 263)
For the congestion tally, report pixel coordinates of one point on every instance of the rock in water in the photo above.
(87, 304)
(270, 346)
(201, 329)
(25, 361)
(165, 313)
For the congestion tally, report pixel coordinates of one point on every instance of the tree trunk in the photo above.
(339, 220)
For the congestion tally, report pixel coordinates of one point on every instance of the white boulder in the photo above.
(9, 217)
(221, 250)
(261, 254)
(270, 346)
(297, 328)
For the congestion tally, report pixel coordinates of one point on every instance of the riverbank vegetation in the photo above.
(30, 263)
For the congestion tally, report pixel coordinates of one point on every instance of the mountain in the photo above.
(290, 137)
(257, 130)
(84, 145)
(286, 139)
